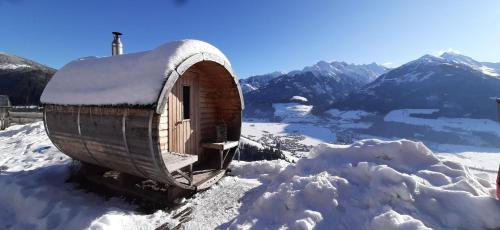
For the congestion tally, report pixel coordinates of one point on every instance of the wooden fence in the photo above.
(25, 117)
(19, 115)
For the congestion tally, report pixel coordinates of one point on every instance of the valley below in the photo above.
(295, 130)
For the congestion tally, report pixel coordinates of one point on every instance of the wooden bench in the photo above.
(176, 161)
(223, 148)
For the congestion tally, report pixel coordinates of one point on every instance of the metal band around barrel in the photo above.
(124, 133)
(81, 139)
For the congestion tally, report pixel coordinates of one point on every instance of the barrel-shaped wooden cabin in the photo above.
(172, 114)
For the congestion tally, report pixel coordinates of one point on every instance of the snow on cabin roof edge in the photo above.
(128, 79)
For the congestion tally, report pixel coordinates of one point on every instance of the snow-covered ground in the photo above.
(313, 134)
(293, 112)
(350, 115)
(482, 161)
(34, 194)
(349, 119)
(443, 123)
(371, 184)
(297, 124)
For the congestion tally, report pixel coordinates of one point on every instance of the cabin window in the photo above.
(186, 98)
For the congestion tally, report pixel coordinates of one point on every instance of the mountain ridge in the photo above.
(322, 84)
(455, 84)
(23, 80)
(321, 68)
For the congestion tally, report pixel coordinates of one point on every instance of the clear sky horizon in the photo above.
(257, 36)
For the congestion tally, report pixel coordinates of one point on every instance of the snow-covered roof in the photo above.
(134, 79)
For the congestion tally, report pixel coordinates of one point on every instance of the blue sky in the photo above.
(257, 36)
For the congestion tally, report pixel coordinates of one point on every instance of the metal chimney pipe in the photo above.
(116, 45)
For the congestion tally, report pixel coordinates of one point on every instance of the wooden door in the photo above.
(183, 115)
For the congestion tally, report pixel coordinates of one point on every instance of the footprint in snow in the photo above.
(41, 149)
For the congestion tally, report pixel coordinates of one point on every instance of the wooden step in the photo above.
(176, 161)
(221, 145)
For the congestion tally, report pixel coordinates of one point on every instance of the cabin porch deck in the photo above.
(176, 161)
(201, 176)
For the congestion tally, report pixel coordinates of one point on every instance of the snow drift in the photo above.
(371, 184)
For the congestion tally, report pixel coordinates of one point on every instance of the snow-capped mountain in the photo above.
(322, 84)
(455, 84)
(23, 80)
(12, 62)
(365, 73)
(495, 66)
(462, 59)
(254, 82)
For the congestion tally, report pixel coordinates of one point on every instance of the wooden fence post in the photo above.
(498, 183)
